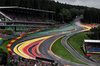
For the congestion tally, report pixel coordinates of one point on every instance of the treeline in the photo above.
(64, 12)
(94, 33)
(38, 4)
(91, 15)
(66, 15)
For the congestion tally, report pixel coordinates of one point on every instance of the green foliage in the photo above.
(77, 41)
(62, 52)
(91, 15)
(67, 14)
(70, 10)
(4, 54)
(74, 12)
(1, 50)
(3, 46)
(60, 17)
(94, 33)
(64, 15)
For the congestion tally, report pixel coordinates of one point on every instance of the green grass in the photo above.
(4, 46)
(62, 52)
(77, 41)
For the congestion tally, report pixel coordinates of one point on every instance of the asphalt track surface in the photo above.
(44, 47)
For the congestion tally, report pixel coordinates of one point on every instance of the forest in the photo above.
(63, 12)
(91, 15)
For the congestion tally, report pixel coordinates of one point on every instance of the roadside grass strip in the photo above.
(18, 49)
(52, 45)
(77, 41)
(4, 46)
(59, 50)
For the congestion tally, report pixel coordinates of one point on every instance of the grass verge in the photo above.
(4, 46)
(77, 41)
(62, 52)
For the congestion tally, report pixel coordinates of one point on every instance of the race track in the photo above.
(38, 45)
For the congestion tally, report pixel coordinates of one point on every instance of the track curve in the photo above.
(38, 45)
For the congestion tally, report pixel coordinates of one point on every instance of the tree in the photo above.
(94, 33)
(51, 5)
(74, 12)
(91, 15)
(66, 14)
(60, 17)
